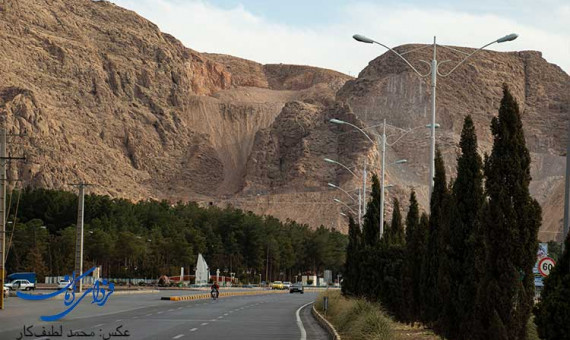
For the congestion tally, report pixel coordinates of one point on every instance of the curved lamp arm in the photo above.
(338, 121)
(344, 166)
(346, 205)
(341, 189)
(367, 40)
(509, 37)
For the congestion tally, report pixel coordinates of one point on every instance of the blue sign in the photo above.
(99, 295)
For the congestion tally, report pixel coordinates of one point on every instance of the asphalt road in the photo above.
(145, 316)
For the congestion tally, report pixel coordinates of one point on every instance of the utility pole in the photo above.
(79, 235)
(3, 181)
(364, 191)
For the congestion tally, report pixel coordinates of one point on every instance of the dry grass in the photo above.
(357, 319)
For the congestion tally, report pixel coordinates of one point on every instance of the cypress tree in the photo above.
(371, 225)
(431, 300)
(352, 265)
(396, 227)
(420, 244)
(511, 220)
(466, 249)
(413, 262)
(553, 312)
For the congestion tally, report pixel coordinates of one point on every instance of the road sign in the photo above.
(545, 266)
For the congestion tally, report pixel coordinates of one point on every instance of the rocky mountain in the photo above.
(106, 98)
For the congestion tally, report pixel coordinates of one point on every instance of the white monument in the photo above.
(202, 271)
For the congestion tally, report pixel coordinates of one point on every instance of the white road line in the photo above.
(149, 314)
(159, 312)
(119, 320)
(171, 310)
(204, 324)
(99, 325)
(193, 329)
(300, 323)
(213, 320)
(135, 317)
(178, 336)
(220, 317)
(226, 314)
(179, 308)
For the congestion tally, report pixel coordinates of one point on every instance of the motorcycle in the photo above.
(214, 293)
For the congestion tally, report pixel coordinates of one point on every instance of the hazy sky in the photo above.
(319, 33)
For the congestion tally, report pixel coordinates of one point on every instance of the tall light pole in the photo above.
(79, 235)
(382, 150)
(567, 190)
(434, 72)
(361, 194)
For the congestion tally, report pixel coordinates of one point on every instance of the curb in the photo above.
(325, 324)
(225, 294)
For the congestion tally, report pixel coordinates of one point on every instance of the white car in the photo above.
(20, 284)
(63, 284)
(6, 291)
(286, 284)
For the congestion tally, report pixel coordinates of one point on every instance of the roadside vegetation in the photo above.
(356, 318)
(153, 238)
(464, 270)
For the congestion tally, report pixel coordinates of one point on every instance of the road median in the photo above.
(222, 294)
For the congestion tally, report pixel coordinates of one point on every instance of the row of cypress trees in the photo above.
(466, 270)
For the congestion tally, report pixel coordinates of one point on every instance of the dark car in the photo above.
(296, 287)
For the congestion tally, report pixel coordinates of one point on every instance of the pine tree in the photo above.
(420, 245)
(352, 265)
(552, 314)
(466, 253)
(511, 220)
(431, 300)
(413, 262)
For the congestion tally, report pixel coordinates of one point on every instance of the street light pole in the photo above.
(434, 72)
(567, 190)
(382, 179)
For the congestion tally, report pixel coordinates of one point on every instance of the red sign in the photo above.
(545, 266)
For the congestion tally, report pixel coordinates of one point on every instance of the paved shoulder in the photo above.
(312, 327)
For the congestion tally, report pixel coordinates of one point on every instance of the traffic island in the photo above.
(222, 294)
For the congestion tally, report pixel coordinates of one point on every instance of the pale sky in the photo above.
(319, 33)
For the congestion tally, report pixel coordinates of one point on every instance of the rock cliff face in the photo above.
(107, 98)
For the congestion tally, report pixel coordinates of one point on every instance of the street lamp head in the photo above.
(329, 160)
(509, 37)
(332, 185)
(337, 200)
(343, 214)
(361, 38)
(436, 125)
(401, 161)
(337, 121)
(388, 186)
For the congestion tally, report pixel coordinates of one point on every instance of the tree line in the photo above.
(466, 269)
(152, 238)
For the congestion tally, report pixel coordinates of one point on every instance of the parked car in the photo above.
(64, 283)
(20, 284)
(277, 285)
(286, 284)
(297, 287)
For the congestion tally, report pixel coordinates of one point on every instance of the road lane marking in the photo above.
(119, 320)
(179, 308)
(171, 310)
(160, 312)
(193, 329)
(220, 317)
(300, 323)
(99, 325)
(149, 314)
(226, 314)
(204, 324)
(213, 320)
(178, 336)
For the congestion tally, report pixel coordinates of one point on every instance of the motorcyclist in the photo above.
(215, 288)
